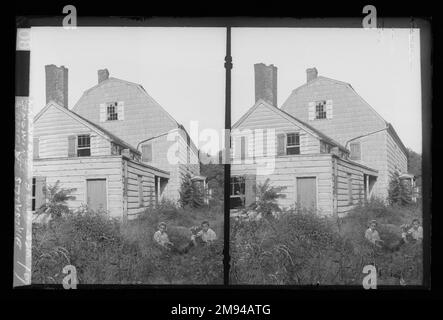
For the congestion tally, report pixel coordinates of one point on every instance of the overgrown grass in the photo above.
(302, 248)
(105, 251)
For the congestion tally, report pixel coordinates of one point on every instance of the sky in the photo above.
(382, 65)
(181, 68)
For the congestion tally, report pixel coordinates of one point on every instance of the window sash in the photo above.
(111, 111)
(83, 145)
(292, 143)
(320, 110)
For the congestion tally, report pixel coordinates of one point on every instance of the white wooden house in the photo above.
(337, 110)
(117, 147)
(105, 171)
(128, 111)
(315, 169)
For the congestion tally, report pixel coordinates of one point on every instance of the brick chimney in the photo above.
(57, 84)
(311, 74)
(266, 83)
(103, 75)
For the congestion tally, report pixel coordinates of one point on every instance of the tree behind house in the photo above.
(399, 192)
(190, 193)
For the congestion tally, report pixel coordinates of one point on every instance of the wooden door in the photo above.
(307, 192)
(96, 189)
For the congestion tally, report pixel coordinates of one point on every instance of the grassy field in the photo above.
(105, 251)
(302, 248)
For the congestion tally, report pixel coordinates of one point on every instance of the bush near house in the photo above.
(299, 247)
(191, 194)
(399, 192)
(106, 251)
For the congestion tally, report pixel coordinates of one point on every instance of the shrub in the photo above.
(399, 193)
(299, 247)
(56, 197)
(295, 248)
(267, 197)
(107, 251)
(190, 193)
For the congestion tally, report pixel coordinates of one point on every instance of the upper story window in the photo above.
(111, 111)
(292, 143)
(320, 109)
(355, 151)
(83, 145)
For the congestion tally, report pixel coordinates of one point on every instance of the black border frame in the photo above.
(257, 292)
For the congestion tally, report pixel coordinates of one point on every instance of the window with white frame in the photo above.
(112, 111)
(83, 145)
(292, 143)
(320, 109)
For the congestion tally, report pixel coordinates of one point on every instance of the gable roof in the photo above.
(145, 93)
(388, 125)
(338, 82)
(98, 129)
(136, 85)
(308, 128)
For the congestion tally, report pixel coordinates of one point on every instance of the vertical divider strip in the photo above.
(228, 67)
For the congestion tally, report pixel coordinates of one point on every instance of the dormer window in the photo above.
(111, 111)
(320, 109)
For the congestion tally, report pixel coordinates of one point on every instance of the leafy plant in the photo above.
(267, 197)
(56, 198)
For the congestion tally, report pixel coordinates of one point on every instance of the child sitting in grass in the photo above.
(206, 234)
(416, 231)
(161, 237)
(372, 235)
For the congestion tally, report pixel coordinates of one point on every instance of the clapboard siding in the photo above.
(144, 118)
(134, 170)
(54, 127)
(397, 159)
(352, 117)
(344, 203)
(287, 169)
(264, 121)
(176, 163)
(73, 173)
